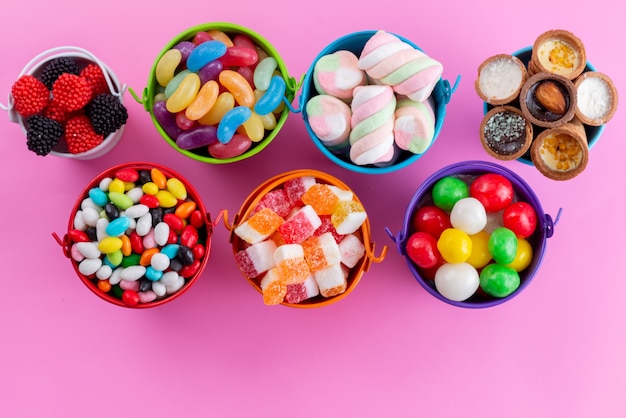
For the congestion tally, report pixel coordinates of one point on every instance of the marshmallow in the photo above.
(329, 119)
(337, 74)
(414, 126)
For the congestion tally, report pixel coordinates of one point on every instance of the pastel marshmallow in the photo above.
(337, 74)
(414, 126)
(329, 119)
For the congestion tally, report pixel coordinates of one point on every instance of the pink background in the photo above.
(389, 349)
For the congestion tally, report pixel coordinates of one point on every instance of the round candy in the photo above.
(454, 245)
(521, 218)
(431, 219)
(421, 248)
(523, 256)
(457, 282)
(480, 255)
(494, 191)
(448, 190)
(503, 245)
(468, 215)
(499, 281)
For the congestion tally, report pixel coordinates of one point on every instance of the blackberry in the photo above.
(106, 113)
(56, 67)
(42, 134)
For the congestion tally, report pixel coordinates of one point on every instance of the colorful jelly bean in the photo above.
(272, 97)
(204, 53)
(204, 100)
(263, 73)
(166, 66)
(238, 86)
(135, 256)
(184, 94)
(231, 122)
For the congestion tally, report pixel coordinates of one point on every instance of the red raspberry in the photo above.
(80, 136)
(30, 95)
(95, 77)
(71, 92)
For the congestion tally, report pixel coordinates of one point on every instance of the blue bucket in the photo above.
(523, 192)
(355, 42)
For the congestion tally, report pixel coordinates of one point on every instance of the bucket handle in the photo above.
(550, 224)
(64, 243)
(59, 51)
(372, 258)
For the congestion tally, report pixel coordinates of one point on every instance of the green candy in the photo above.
(115, 258)
(131, 260)
(503, 245)
(449, 190)
(499, 281)
(121, 200)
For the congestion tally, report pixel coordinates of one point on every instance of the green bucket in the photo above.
(230, 29)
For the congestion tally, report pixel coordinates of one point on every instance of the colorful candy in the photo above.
(139, 253)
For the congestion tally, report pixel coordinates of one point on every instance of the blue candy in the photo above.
(272, 96)
(205, 53)
(153, 274)
(118, 226)
(98, 196)
(170, 250)
(231, 121)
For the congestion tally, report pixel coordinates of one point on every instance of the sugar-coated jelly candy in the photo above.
(273, 289)
(231, 121)
(205, 53)
(259, 226)
(256, 259)
(184, 94)
(272, 97)
(348, 216)
(238, 144)
(498, 280)
(224, 103)
(503, 245)
(200, 136)
(331, 280)
(204, 100)
(321, 251)
(239, 56)
(263, 73)
(238, 86)
(166, 66)
(448, 190)
(457, 281)
(300, 225)
(454, 245)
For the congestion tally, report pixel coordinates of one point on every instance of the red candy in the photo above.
(175, 223)
(129, 175)
(149, 200)
(130, 297)
(494, 191)
(196, 219)
(189, 236)
(520, 217)
(431, 219)
(421, 248)
(190, 270)
(76, 235)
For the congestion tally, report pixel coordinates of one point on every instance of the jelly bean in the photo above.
(169, 278)
(157, 215)
(118, 226)
(158, 178)
(166, 199)
(238, 144)
(161, 233)
(185, 48)
(90, 216)
(210, 72)
(480, 255)
(150, 188)
(170, 250)
(98, 196)
(109, 245)
(244, 40)
(273, 96)
(468, 215)
(176, 188)
(104, 286)
(454, 245)
(189, 236)
(131, 260)
(120, 200)
(160, 262)
(130, 297)
(111, 211)
(238, 86)
(498, 280)
(88, 249)
(75, 254)
(183, 122)
(198, 251)
(153, 274)
(149, 200)
(503, 245)
(146, 256)
(149, 240)
(136, 242)
(263, 73)
(253, 127)
(174, 222)
(224, 103)
(239, 56)
(200, 136)
(104, 272)
(190, 269)
(197, 218)
(146, 297)
(184, 94)
(201, 37)
(127, 247)
(89, 203)
(127, 175)
(457, 281)
(448, 190)
(144, 224)
(159, 289)
(76, 235)
(128, 186)
(523, 256)
(185, 255)
(204, 100)
(269, 121)
(174, 83)
(204, 53)
(89, 266)
(145, 285)
(91, 233)
(115, 258)
(180, 282)
(231, 121)
(166, 120)
(248, 74)
(101, 226)
(175, 265)
(220, 36)
(166, 66)
(104, 183)
(136, 211)
(172, 238)
(185, 209)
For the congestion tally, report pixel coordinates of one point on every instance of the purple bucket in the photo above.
(523, 192)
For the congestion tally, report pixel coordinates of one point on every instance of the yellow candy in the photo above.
(110, 245)
(117, 186)
(166, 67)
(218, 35)
(166, 199)
(269, 121)
(176, 188)
(150, 188)
(480, 255)
(253, 127)
(225, 102)
(523, 256)
(184, 94)
(204, 101)
(454, 245)
(238, 86)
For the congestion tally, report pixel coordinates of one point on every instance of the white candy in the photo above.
(116, 276)
(101, 228)
(136, 211)
(169, 278)
(331, 280)
(144, 225)
(90, 216)
(79, 221)
(104, 272)
(160, 262)
(288, 252)
(457, 281)
(105, 183)
(88, 249)
(135, 194)
(159, 288)
(89, 203)
(468, 215)
(351, 249)
(133, 273)
(161, 233)
(89, 266)
(180, 282)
